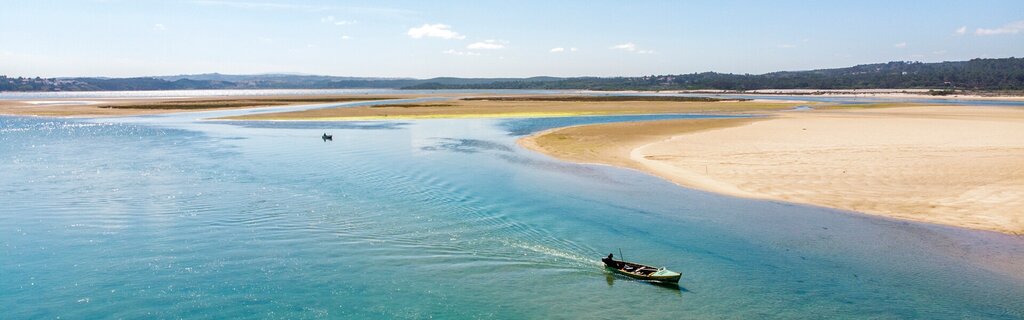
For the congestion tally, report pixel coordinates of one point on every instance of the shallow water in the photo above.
(164, 216)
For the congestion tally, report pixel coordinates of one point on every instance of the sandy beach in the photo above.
(953, 165)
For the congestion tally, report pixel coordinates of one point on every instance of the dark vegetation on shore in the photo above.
(230, 103)
(973, 76)
(942, 77)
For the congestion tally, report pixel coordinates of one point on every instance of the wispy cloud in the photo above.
(1009, 28)
(561, 49)
(346, 37)
(460, 53)
(631, 47)
(332, 20)
(159, 27)
(487, 45)
(960, 31)
(438, 30)
(786, 45)
(900, 45)
(628, 46)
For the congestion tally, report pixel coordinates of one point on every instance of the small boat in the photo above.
(328, 137)
(641, 271)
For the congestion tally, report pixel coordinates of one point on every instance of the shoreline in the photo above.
(970, 180)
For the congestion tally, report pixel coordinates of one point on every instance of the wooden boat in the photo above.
(642, 272)
(328, 137)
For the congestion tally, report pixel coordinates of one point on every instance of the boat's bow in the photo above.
(666, 275)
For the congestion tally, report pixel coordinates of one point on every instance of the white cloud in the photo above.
(573, 49)
(786, 45)
(460, 53)
(346, 37)
(438, 30)
(159, 27)
(960, 31)
(1009, 28)
(559, 49)
(628, 46)
(487, 45)
(562, 49)
(900, 45)
(646, 51)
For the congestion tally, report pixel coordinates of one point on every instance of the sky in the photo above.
(423, 39)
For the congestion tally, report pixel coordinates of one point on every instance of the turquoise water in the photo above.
(168, 217)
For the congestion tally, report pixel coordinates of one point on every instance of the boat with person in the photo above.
(641, 271)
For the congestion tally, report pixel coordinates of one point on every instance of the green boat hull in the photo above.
(644, 272)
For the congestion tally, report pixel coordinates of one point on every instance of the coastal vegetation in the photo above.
(976, 74)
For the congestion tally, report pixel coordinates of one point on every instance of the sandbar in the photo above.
(511, 108)
(953, 165)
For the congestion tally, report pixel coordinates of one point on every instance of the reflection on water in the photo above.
(160, 217)
(611, 278)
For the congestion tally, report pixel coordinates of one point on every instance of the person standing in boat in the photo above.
(610, 261)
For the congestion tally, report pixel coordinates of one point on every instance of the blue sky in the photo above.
(492, 38)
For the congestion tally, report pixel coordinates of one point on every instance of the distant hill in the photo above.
(975, 74)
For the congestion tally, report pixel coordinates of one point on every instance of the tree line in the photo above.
(975, 74)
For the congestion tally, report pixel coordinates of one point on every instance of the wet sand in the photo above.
(84, 107)
(952, 165)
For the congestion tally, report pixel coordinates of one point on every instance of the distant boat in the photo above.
(640, 271)
(328, 137)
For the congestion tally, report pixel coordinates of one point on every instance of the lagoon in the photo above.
(169, 216)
